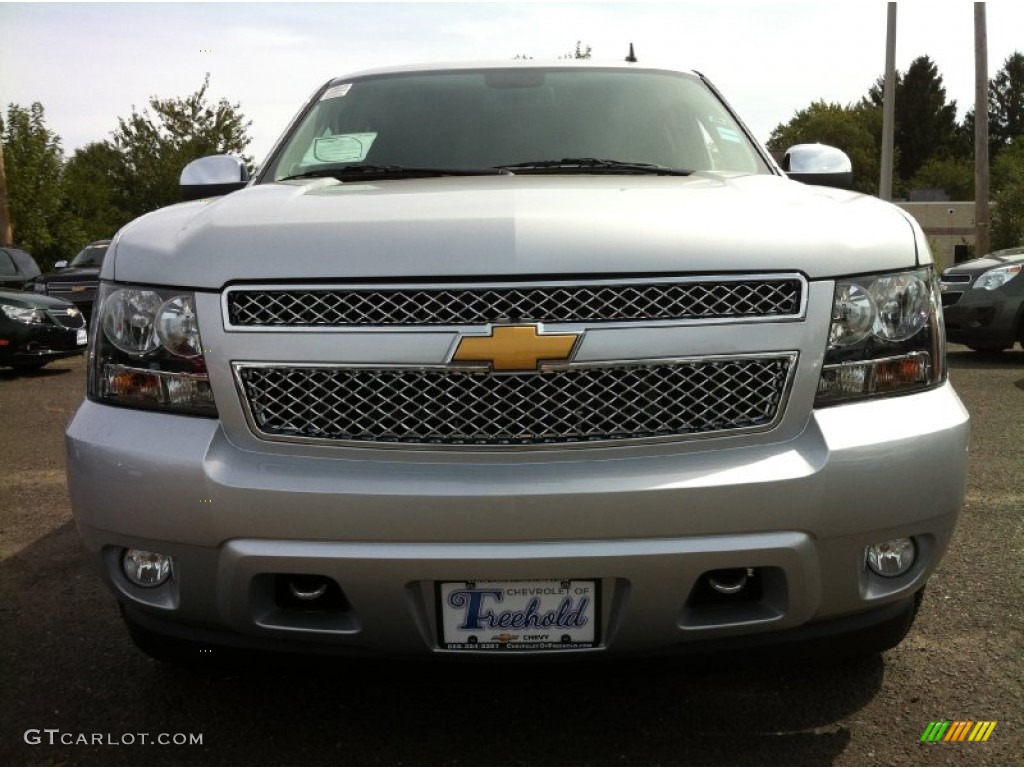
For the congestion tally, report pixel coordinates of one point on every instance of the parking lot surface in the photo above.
(76, 692)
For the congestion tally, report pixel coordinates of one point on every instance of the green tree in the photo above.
(154, 147)
(849, 128)
(579, 53)
(925, 123)
(1006, 104)
(955, 175)
(1007, 225)
(1005, 110)
(90, 190)
(33, 161)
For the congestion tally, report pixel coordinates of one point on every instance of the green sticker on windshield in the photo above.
(343, 148)
(728, 134)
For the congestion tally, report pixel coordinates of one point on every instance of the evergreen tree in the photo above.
(925, 123)
(1006, 103)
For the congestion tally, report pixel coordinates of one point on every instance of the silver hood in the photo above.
(508, 226)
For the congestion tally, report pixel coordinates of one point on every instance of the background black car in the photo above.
(75, 282)
(983, 301)
(36, 330)
(17, 268)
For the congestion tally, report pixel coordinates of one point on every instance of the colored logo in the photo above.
(958, 730)
(515, 348)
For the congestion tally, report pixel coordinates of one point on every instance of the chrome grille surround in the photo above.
(558, 406)
(73, 291)
(706, 298)
(68, 318)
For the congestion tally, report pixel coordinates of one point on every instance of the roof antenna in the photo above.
(632, 56)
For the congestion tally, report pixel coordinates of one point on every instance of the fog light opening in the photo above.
(729, 581)
(146, 569)
(891, 558)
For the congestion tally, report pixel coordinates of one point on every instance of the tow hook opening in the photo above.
(726, 586)
(309, 592)
(743, 595)
(730, 581)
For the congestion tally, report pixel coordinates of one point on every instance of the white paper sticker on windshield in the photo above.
(336, 91)
(343, 148)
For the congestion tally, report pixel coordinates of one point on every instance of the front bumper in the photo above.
(982, 319)
(30, 345)
(646, 524)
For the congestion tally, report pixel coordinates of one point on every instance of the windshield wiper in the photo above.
(371, 172)
(593, 165)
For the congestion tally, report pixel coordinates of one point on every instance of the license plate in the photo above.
(82, 337)
(543, 615)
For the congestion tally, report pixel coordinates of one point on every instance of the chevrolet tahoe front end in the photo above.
(489, 392)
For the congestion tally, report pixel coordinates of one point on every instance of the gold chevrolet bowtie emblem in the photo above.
(515, 348)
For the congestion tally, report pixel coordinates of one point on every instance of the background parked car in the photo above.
(75, 282)
(17, 268)
(983, 301)
(36, 330)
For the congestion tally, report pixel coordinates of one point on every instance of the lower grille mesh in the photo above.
(426, 406)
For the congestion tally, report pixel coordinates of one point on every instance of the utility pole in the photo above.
(888, 106)
(981, 233)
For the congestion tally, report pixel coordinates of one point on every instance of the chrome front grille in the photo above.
(585, 404)
(85, 291)
(68, 318)
(707, 298)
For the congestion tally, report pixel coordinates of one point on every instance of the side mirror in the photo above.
(819, 164)
(213, 176)
(60, 264)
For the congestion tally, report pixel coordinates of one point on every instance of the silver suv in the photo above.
(518, 359)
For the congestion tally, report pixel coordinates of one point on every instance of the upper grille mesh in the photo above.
(575, 405)
(699, 299)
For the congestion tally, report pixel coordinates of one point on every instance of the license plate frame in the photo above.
(495, 616)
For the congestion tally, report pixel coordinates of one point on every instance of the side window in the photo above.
(7, 267)
(25, 263)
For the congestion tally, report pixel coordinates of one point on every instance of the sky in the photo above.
(90, 63)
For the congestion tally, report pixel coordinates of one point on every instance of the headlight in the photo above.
(128, 320)
(147, 352)
(886, 337)
(23, 314)
(997, 277)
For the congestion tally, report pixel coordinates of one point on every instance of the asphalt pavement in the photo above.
(74, 691)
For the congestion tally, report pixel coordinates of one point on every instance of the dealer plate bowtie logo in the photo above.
(516, 348)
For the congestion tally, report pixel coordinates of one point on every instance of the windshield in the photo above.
(475, 120)
(90, 256)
